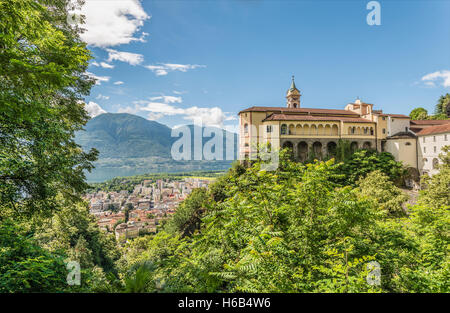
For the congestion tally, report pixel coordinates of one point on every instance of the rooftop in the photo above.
(429, 122)
(438, 129)
(294, 117)
(299, 110)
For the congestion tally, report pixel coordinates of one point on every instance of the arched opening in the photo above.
(298, 129)
(283, 129)
(302, 151)
(290, 147)
(317, 150)
(354, 146)
(291, 129)
(306, 129)
(367, 145)
(328, 130)
(435, 164)
(334, 130)
(371, 131)
(313, 130)
(331, 149)
(320, 130)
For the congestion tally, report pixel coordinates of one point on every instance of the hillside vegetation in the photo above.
(298, 229)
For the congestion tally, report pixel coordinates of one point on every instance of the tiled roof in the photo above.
(402, 135)
(438, 129)
(299, 110)
(429, 122)
(395, 115)
(294, 117)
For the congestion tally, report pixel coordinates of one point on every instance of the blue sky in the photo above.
(179, 60)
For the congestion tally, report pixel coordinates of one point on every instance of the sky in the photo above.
(182, 62)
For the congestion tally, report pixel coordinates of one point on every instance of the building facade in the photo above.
(315, 133)
(430, 142)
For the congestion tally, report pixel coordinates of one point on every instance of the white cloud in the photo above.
(94, 109)
(128, 57)
(106, 65)
(119, 82)
(206, 116)
(103, 64)
(167, 99)
(98, 79)
(102, 97)
(164, 68)
(110, 23)
(436, 77)
(129, 109)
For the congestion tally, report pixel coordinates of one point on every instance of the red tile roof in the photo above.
(438, 129)
(429, 122)
(395, 115)
(299, 110)
(294, 117)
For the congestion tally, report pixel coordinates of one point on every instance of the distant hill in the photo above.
(132, 145)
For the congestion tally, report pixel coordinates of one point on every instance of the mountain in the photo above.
(131, 145)
(122, 135)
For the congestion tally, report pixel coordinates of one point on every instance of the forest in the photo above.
(312, 227)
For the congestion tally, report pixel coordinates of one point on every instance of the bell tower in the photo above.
(293, 96)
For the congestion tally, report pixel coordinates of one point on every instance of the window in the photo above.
(365, 131)
(408, 143)
(392, 120)
(434, 138)
(371, 131)
(424, 149)
(283, 129)
(384, 118)
(406, 129)
(445, 137)
(384, 130)
(434, 148)
(245, 128)
(435, 163)
(269, 128)
(423, 139)
(353, 130)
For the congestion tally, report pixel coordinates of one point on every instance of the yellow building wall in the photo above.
(404, 150)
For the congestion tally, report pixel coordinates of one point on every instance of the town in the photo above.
(139, 212)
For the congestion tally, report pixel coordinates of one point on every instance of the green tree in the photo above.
(377, 187)
(188, 216)
(25, 266)
(43, 81)
(127, 210)
(442, 105)
(419, 114)
(363, 162)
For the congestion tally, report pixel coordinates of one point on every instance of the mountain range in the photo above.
(131, 145)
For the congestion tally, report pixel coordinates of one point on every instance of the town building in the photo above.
(430, 141)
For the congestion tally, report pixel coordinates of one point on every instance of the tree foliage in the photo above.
(42, 85)
(297, 230)
(363, 162)
(418, 114)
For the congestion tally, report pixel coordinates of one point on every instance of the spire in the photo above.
(293, 96)
(293, 84)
